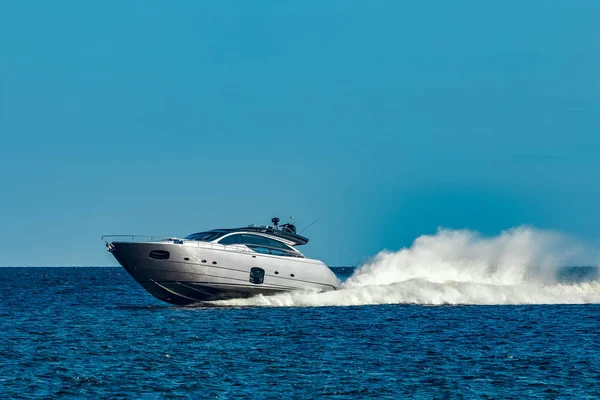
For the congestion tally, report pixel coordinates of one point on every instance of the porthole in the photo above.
(276, 272)
(214, 263)
(203, 261)
(186, 258)
(292, 275)
(159, 254)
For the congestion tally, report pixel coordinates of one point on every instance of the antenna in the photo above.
(309, 225)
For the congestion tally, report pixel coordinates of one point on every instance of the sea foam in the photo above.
(519, 266)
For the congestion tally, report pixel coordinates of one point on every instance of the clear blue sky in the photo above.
(386, 119)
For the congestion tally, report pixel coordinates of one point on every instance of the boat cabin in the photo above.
(261, 239)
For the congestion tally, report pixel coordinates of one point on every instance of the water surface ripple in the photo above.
(92, 332)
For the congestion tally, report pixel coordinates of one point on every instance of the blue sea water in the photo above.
(94, 333)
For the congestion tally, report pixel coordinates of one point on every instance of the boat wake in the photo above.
(520, 266)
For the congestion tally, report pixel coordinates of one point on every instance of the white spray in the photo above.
(460, 267)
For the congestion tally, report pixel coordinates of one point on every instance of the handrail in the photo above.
(152, 238)
(240, 248)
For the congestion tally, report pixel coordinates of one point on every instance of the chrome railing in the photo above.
(240, 248)
(137, 238)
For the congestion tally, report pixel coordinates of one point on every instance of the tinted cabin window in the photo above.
(263, 245)
(205, 236)
(263, 241)
(233, 239)
(159, 254)
(257, 275)
(251, 239)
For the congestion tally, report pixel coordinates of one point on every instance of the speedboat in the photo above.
(221, 264)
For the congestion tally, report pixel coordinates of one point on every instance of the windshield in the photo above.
(205, 236)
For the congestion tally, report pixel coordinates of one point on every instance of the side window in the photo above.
(278, 245)
(233, 239)
(263, 245)
(263, 241)
(253, 240)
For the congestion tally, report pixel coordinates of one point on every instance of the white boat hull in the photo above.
(199, 272)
